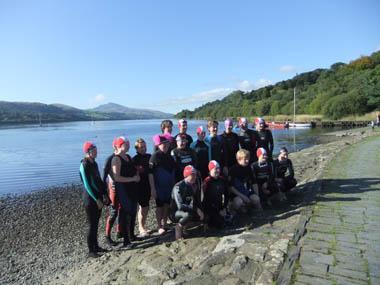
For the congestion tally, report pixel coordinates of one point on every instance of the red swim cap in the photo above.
(213, 164)
(189, 169)
(200, 129)
(242, 121)
(118, 142)
(260, 152)
(87, 146)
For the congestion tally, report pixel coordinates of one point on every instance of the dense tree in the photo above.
(341, 90)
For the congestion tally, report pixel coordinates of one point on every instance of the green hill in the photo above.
(341, 90)
(24, 112)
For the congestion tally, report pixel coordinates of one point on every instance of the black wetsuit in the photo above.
(142, 164)
(202, 151)
(127, 194)
(264, 173)
(242, 179)
(184, 202)
(248, 141)
(215, 199)
(216, 149)
(94, 190)
(163, 167)
(183, 157)
(189, 139)
(230, 148)
(284, 174)
(265, 140)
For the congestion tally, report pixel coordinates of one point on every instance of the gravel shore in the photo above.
(43, 233)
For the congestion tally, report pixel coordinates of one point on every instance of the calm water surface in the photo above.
(34, 157)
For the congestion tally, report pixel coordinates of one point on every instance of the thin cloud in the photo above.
(288, 69)
(199, 98)
(378, 48)
(99, 98)
(246, 85)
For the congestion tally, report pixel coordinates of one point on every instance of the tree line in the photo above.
(342, 90)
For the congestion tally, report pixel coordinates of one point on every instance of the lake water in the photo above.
(34, 157)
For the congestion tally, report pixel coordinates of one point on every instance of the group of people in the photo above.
(208, 180)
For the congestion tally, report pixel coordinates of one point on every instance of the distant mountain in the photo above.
(24, 112)
(139, 113)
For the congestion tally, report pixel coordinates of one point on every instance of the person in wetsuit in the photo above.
(182, 126)
(247, 139)
(201, 149)
(230, 144)
(161, 179)
(264, 137)
(166, 130)
(126, 178)
(141, 161)
(183, 156)
(114, 207)
(93, 196)
(284, 172)
(264, 174)
(215, 197)
(244, 189)
(185, 203)
(215, 143)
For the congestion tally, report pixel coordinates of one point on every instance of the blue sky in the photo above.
(171, 55)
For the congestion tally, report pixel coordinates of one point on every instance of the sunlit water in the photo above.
(34, 157)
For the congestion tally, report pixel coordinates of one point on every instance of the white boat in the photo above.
(300, 125)
(294, 124)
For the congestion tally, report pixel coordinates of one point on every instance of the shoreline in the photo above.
(43, 236)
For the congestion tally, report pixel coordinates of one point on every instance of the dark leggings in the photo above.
(183, 217)
(286, 184)
(93, 215)
(213, 218)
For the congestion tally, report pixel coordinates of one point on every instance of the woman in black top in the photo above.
(126, 178)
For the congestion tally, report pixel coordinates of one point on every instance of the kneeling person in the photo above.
(185, 204)
(215, 197)
(284, 172)
(243, 186)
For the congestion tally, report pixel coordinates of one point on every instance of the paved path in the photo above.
(342, 242)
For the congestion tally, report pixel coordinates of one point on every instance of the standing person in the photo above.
(230, 144)
(92, 196)
(126, 178)
(215, 197)
(244, 188)
(264, 137)
(185, 203)
(161, 179)
(182, 126)
(264, 174)
(141, 160)
(215, 143)
(114, 207)
(201, 149)
(284, 172)
(247, 139)
(166, 130)
(183, 156)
